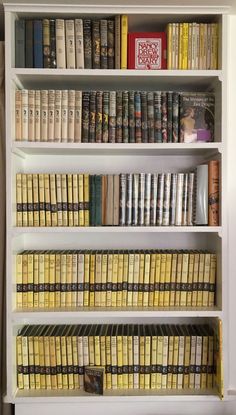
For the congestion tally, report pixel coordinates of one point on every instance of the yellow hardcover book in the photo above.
(147, 358)
(184, 280)
(47, 200)
(204, 359)
(36, 359)
(63, 279)
(180, 66)
(130, 280)
(152, 280)
(157, 279)
(108, 357)
(75, 199)
(104, 280)
(198, 360)
(214, 45)
(42, 360)
(30, 281)
(141, 357)
(74, 340)
(58, 357)
(193, 340)
(81, 199)
(170, 358)
(103, 352)
(31, 359)
(178, 279)
(162, 280)
(52, 279)
(25, 279)
(131, 355)
(69, 353)
(180, 375)
(80, 281)
(135, 280)
(141, 279)
(153, 358)
(146, 279)
(42, 217)
(134, 364)
(169, 45)
(19, 362)
(114, 377)
(92, 280)
(206, 280)
(86, 199)
(24, 200)
(185, 46)
(30, 207)
(64, 200)
(53, 199)
(211, 297)
(70, 200)
(125, 279)
(164, 357)
(18, 115)
(173, 279)
(202, 50)
(57, 280)
(114, 279)
(91, 345)
(59, 200)
(86, 278)
(120, 280)
(46, 279)
(41, 279)
(97, 346)
(119, 357)
(159, 358)
(83, 355)
(68, 279)
(190, 279)
(195, 279)
(19, 213)
(36, 199)
(76, 278)
(53, 359)
(124, 41)
(200, 280)
(125, 380)
(65, 384)
(190, 46)
(167, 280)
(173, 46)
(210, 361)
(19, 281)
(98, 279)
(25, 358)
(175, 360)
(187, 349)
(47, 359)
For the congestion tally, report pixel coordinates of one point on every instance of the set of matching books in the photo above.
(139, 199)
(113, 116)
(64, 279)
(192, 45)
(72, 43)
(133, 356)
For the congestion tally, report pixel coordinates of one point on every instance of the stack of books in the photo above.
(65, 279)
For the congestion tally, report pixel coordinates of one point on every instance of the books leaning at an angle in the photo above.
(201, 196)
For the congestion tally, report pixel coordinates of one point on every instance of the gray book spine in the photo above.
(125, 117)
(105, 116)
(141, 199)
(129, 179)
(179, 199)
(160, 195)
(201, 202)
(190, 199)
(185, 199)
(153, 205)
(135, 199)
(173, 190)
(147, 199)
(112, 117)
(166, 201)
(157, 117)
(98, 132)
(150, 113)
(119, 116)
(122, 199)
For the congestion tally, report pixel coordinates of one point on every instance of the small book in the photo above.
(94, 379)
(147, 50)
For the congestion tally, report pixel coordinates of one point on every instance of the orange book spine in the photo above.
(213, 193)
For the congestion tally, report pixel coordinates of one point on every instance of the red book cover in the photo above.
(147, 50)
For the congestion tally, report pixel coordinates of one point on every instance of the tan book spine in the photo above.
(198, 361)
(190, 280)
(25, 280)
(70, 200)
(169, 45)
(59, 363)
(70, 44)
(180, 66)
(162, 280)
(175, 362)
(31, 128)
(78, 116)
(60, 44)
(132, 353)
(64, 200)
(125, 279)
(59, 200)
(19, 281)
(192, 362)
(213, 193)
(25, 362)
(18, 115)
(36, 280)
(36, 362)
(104, 199)
(206, 280)
(46, 280)
(159, 361)
(81, 200)
(200, 280)
(19, 359)
(170, 362)
(201, 47)
(195, 279)
(37, 115)
(42, 363)
(57, 116)
(58, 280)
(30, 207)
(173, 279)
(65, 384)
(30, 281)
(80, 296)
(86, 279)
(79, 43)
(47, 200)
(204, 362)
(52, 280)
(92, 281)
(114, 280)
(75, 199)
(53, 199)
(141, 361)
(130, 280)
(36, 199)
(68, 279)
(205, 47)
(63, 279)
(119, 362)
(146, 279)
(44, 115)
(19, 213)
(147, 362)
(141, 279)
(24, 114)
(42, 213)
(125, 380)
(190, 42)
(114, 377)
(153, 361)
(152, 280)
(135, 280)
(104, 280)
(86, 199)
(64, 116)
(69, 362)
(53, 362)
(97, 351)
(167, 280)
(71, 116)
(108, 362)
(178, 279)
(214, 45)
(184, 280)
(186, 362)
(164, 362)
(75, 361)
(24, 200)
(180, 376)
(77, 268)
(83, 357)
(213, 269)
(41, 280)
(51, 115)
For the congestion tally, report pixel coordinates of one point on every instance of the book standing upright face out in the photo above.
(147, 50)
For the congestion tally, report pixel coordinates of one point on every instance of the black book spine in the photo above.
(87, 44)
(52, 28)
(20, 43)
(85, 116)
(164, 116)
(131, 118)
(103, 31)
(144, 127)
(125, 114)
(29, 49)
(92, 116)
(98, 134)
(119, 117)
(169, 116)
(150, 111)
(111, 44)
(96, 44)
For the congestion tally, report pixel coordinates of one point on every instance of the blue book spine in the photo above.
(38, 44)
(20, 43)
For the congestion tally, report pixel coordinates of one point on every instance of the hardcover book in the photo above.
(147, 50)
(93, 379)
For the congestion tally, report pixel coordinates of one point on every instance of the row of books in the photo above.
(72, 43)
(192, 45)
(137, 199)
(114, 116)
(133, 356)
(64, 279)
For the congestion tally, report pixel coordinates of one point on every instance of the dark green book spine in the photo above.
(111, 44)
(98, 200)
(125, 114)
(169, 116)
(96, 44)
(99, 117)
(131, 118)
(112, 116)
(87, 44)
(175, 117)
(85, 116)
(157, 117)
(150, 110)
(144, 117)
(29, 50)
(138, 120)
(105, 116)
(92, 116)
(52, 28)
(119, 116)
(92, 201)
(20, 43)
(164, 116)
(103, 31)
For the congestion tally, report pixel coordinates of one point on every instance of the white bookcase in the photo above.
(115, 158)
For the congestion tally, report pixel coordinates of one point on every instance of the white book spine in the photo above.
(57, 117)
(78, 116)
(24, 116)
(70, 44)
(79, 43)
(71, 116)
(129, 199)
(64, 116)
(185, 199)
(18, 115)
(60, 44)
(147, 199)
(160, 196)
(153, 205)
(44, 115)
(37, 115)
(166, 201)
(135, 199)
(201, 202)
(173, 191)
(31, 130)
(179, 199)
(51, 114)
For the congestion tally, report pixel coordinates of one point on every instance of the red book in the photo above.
(147, 50)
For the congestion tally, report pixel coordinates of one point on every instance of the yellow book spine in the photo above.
(170, 361)
(64, 200)
(97, 351)
(80, 281)
(59, 362)
(180, 46)
(81, 199)
(63, 279)
(19, 214)
(42, 363)
(31, 362)
(68, 279)
(130, 362)
(65, 384)
(104, 280)
(180, 363)
(30, 282)
(47, 200)
(47, 362)
(70, 200)
(19, 281)
(41, 280)
(204, 362)
(53, 362)
(119, 280)
(125, 280)
(25, 280)
(57, 280)
(76, 279)
(119, 363)
(195, 280)
(46, 280)
(152, 280)
(178, 279)
(114, 280)
(184, 281)
(175, 362)
(36, 281)
(75, 199)
(53, 199)
(86, 199)
(98, 279)
(30, 207)
(167, 280)
(92, 281)
(124, 41)
(24, 200)
(75, 361)
(157, 280)
(186, 362)
(206, 280)
(146, 279)
(202, 49)
(59, 200)
(211, 297)
(20, 381)
(36, 199)
(103, 358)
(25, 362)
(200, 280)
(173, 280)
(185, 46)
(52, 280)
(153, 362)
(141, 280)
(162, 280)
(147, 362)
(125, 362)
(36, 363)
(86, 279)
(169, 45)
(142, 362)
(130, 280)
(114, 377)
(190, 280)
(159, 361)
(70, 362)
(214, 47)
(42, 217)
(134, 363)
(108, 362)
